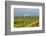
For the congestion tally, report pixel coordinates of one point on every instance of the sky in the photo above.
(26, 12)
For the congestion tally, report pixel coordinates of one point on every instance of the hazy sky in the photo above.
(26, 12)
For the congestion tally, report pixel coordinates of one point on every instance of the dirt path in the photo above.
(32, 23)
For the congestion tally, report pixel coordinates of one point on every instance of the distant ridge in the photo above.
(25, 16)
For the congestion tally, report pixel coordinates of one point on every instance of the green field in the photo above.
(26, 21)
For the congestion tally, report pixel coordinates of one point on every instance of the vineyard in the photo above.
(26, 21)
